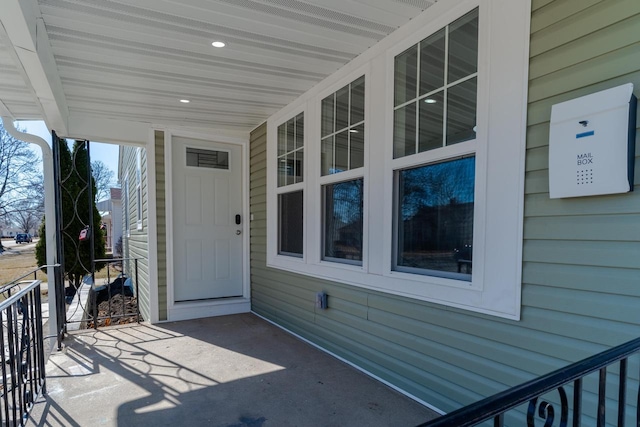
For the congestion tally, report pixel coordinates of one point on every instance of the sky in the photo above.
(107, 153)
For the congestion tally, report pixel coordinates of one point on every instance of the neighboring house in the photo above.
(10, 231)
(111, 211)
(229, 203)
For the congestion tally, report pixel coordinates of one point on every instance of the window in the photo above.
(434, 219)
(343, 221)
(199, 158)
(435, 89)
(139, 188)
(290, 238)
(291, 151)
(435, 97)
(342, 133)
(126, 205)
(433, 208)
(342, 149)
(290, 169)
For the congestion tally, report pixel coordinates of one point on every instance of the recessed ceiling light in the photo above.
(185, 101)
(430, 101)
(353, 130)
(218, 44)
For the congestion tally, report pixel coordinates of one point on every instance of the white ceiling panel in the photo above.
(16, 97)
(135, 59)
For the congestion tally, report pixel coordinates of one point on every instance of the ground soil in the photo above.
(119, 311)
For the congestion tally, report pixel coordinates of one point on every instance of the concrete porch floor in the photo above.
(232, 371)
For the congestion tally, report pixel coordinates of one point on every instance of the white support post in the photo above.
(50, 213)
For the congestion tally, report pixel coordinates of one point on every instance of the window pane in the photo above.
(343, 220)
(290, 220)
(299, 165)
(291, 135)
(327, 115)
(431, 117)
(300, 131)
(282, 171)
(282, 139)
(342, 152)
(342, 108)
(435, 218)
(200, 158)
(291, 160)
(432, 62)
(326, 156)
(463, 46)
(356, 148)
(357, 101)
(461, 112)
(405, 75)
(404, 131)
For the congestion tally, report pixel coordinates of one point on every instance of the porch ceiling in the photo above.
(16, 98)
(135, 60)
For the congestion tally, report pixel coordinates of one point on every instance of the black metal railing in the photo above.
(23, 356)
(533, 393)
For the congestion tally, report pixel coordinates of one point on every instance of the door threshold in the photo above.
(187, 310)
(208, 299)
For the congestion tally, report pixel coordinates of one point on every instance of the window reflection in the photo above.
(343, 221)
(290, 239)
(435, 218)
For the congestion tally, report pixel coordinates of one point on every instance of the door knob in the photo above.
(238, 232)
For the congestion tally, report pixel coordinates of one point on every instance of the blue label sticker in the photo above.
(585, 134)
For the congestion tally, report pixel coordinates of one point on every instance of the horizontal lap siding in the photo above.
(580, 261)
(137, 244)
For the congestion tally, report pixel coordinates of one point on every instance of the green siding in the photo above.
(161, 224)
(580, 261)
(136, 245)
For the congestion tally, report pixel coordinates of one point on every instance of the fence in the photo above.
(23, 355)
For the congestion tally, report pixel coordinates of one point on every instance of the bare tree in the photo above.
(104, 177)
(18, 171)
(29, 211)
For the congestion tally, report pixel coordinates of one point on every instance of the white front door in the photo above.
(207, 220)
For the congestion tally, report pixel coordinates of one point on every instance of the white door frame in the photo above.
(199, 309)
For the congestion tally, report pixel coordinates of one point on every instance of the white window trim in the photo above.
(499, 149)
(139, 200)
(127, 206)
(275, 191)
(317, 203)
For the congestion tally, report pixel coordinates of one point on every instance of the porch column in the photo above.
(49, 210)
